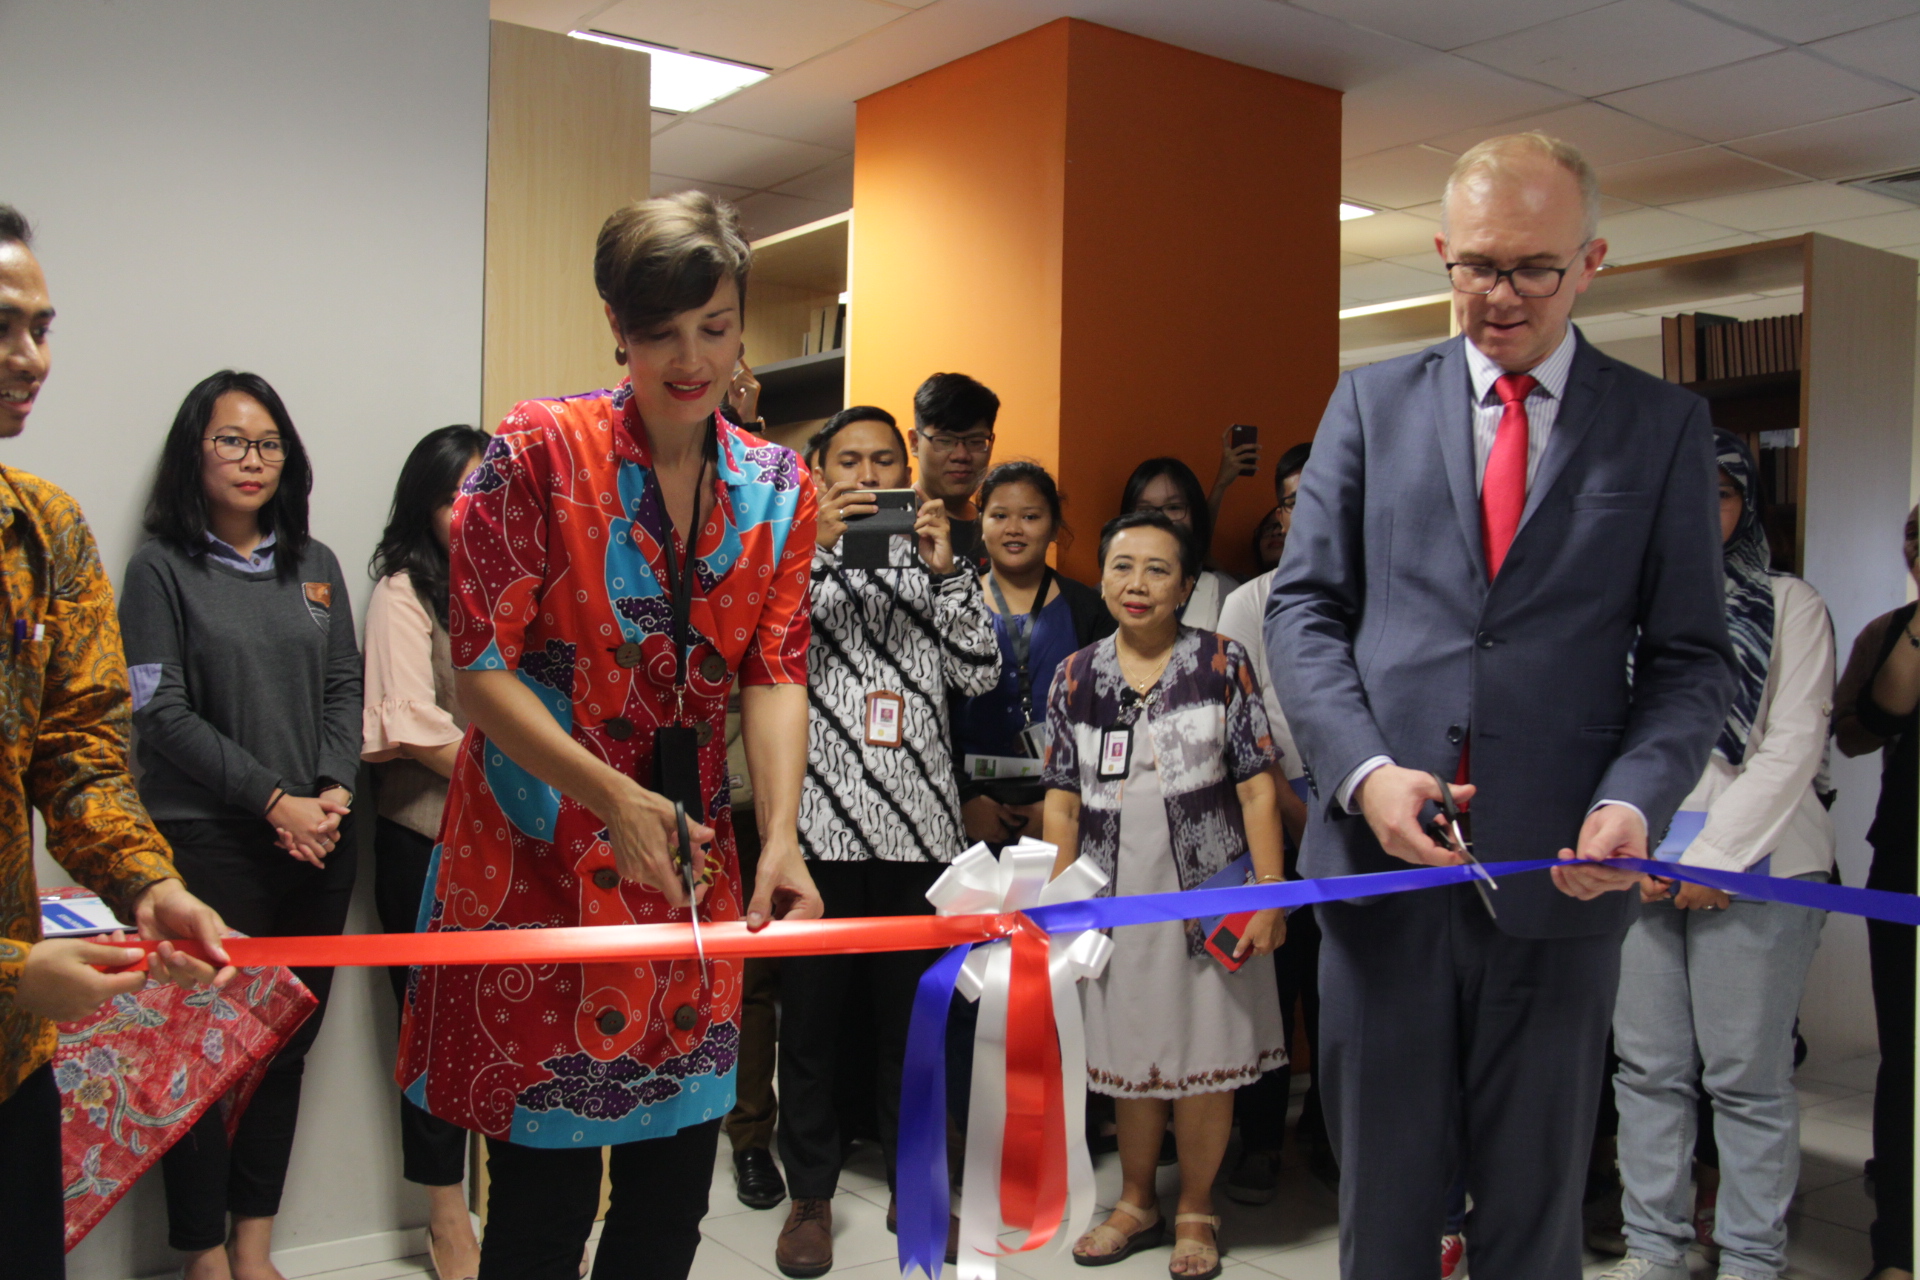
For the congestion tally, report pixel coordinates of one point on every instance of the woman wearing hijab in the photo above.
(1710, 985)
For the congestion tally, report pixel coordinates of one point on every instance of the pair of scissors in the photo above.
(1446, 825)
(683, 858)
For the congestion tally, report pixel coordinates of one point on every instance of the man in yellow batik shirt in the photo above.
(64, 716)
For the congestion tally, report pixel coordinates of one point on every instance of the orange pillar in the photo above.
(1133, 244)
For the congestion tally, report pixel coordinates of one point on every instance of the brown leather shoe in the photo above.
(805, 1249)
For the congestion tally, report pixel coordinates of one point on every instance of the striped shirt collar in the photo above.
(1550, 373)
(259, 562)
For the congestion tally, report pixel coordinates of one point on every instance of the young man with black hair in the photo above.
(64, 697)
(953, 417)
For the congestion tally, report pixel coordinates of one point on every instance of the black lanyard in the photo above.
(1023, 639)
(680, 580)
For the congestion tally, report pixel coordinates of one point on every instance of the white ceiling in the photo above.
(1713, 122)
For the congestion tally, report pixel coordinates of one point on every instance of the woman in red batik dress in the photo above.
(570, 582)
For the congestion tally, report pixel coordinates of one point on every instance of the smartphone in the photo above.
(866, 542)
(1244, 435)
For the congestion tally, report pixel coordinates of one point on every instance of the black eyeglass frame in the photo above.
(249, 446)
(1559, 273)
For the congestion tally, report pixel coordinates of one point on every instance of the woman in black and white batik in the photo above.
(880, 811)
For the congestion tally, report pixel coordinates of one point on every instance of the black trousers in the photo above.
(32, 1225)
(1261, 1107)
(541, 1202)
(812, 992)
(1432, 1021)
(433, 1151)
(1890, 949)
(258, 888)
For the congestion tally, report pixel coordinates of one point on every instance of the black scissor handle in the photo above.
(682, 852)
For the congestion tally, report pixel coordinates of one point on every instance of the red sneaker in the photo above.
(1453, 1258)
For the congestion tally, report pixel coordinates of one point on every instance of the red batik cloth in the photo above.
(135, 1076)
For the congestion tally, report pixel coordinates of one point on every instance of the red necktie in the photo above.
(1503, 490)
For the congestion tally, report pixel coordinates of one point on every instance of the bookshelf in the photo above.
(797, 275)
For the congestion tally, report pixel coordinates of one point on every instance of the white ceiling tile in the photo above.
(831, 183)
(1689, 175)
(1437, 94)
(1619, 45)
(1604, 136)
(1891, 49)
(665, 184)
(1646, 231)
(1702, 246)
(1884, 140)
(714, 153)
(1614, 328)
(777, 34)
(1388, 235)
(661, 119)
(1907, 250)
(1882, 232)
(1450, 25)
(1384, 282)
(765, 213)
(1396, 178)
(1719, 305)
(1796, 206)
(1353, 259)
(1428, 262)
(1803, 20)
(1778, 91)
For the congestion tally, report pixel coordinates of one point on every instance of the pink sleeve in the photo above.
(400, 709)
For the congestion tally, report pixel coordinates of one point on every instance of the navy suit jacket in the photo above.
(1385, 637)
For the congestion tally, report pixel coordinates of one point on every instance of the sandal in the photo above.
(433, 1256)
(1190, 1248)
(1119, 1245)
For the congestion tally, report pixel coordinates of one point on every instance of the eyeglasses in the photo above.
(941, 443)
(1174, 511)
(273, 450)
(1480, 278)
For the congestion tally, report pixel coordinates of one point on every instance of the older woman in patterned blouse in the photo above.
(1159, 768)
(595, 648)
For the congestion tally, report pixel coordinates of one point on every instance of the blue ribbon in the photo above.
(922, 1164)
(922, 1177)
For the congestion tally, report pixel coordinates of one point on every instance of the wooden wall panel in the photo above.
(568, 141)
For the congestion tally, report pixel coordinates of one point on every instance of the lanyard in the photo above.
(680, 582)
(1023, 638)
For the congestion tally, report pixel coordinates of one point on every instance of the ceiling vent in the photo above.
(1901, 186)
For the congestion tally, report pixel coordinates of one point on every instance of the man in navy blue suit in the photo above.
(1504, 569)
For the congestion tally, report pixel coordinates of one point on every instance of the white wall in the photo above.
(295, 187)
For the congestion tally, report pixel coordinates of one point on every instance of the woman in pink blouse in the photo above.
(411, 731)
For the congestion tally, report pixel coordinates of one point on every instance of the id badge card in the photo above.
(885, 711)
(1116, 752)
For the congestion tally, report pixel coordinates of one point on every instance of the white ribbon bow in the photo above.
(977, 884)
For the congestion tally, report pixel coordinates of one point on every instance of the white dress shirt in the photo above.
(1244, 618)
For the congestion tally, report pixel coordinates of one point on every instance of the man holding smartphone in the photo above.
(953, 417)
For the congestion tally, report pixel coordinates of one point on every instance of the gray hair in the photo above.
(1496, 155)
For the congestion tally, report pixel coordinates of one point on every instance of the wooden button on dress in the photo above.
(619, 728)
(629, 654)
(703, 733)
(606, 878)
(713, 668)
(611, 1022)
(685, 1016)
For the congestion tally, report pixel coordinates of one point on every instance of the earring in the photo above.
(619, 355)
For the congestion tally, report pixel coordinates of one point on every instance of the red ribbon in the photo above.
(600, 943)
(1033, 1155)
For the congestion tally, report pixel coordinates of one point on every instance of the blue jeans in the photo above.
(1708, 998)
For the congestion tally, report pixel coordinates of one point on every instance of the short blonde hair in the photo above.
(1495, 155)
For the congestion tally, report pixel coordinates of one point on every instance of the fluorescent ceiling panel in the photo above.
(681, 81)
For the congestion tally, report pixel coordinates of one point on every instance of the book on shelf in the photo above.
(1702, 347)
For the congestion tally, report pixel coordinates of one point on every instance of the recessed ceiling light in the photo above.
(682, 81)
(1348, 211)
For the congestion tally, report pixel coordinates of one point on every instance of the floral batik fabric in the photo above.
(65, 715)
(559, 575)
(1210, 733)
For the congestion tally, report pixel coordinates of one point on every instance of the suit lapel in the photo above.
(1587, 385)
(1452, 402)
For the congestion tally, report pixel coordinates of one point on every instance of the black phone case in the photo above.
(676, 767)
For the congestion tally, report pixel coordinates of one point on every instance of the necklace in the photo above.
(1145, 681)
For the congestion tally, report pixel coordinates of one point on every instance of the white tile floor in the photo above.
(1295, 1237)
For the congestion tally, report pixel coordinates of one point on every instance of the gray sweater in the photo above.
(242, 682)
